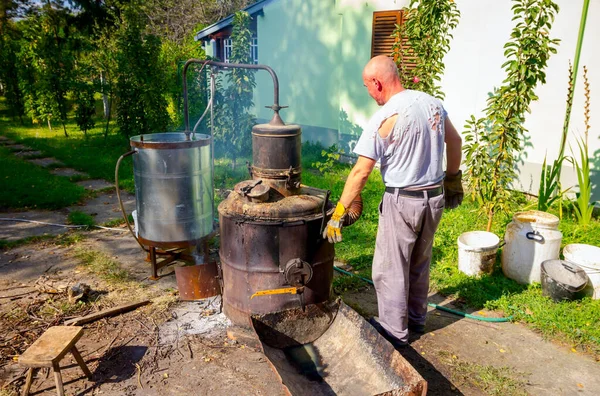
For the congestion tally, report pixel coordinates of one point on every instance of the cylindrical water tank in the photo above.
(173, 188)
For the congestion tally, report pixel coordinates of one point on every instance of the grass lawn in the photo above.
(574, 322)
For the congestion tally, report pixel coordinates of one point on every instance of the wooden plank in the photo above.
(107, 312)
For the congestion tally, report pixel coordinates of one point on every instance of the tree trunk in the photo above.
(105, 100)
(49, 124)
(108, 117)
(65, 129)
(490, 218)
(233, 160)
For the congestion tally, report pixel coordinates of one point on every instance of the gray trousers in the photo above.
(402, 257)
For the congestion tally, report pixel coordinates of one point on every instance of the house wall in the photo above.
(318, 49)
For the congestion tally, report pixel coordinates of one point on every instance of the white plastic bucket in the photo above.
(477, 252)
(531, 238)
(588, 258)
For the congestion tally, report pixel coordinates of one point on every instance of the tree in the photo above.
(494, 142)
(140, 80)
(233, 122)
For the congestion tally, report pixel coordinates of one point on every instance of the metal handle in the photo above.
(535, 236)
(325, 202)
(568, 267)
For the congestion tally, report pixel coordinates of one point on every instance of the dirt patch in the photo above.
(67, 172)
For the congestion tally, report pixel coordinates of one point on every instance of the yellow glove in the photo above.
(333, 232)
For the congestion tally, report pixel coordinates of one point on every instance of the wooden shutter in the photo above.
(384, 24)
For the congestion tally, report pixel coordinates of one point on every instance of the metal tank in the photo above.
(173, 188)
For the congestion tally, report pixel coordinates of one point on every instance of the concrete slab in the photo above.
(95, 184)
(20, 225)
(19, 147)
(105, 207)
(67, 172)
(46, 162)
(33, 153)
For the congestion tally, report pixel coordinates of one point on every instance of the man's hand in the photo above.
(333, 232)
(453, 190)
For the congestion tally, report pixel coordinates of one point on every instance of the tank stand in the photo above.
(171, 255)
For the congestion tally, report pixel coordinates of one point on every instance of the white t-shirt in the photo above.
(412, 154)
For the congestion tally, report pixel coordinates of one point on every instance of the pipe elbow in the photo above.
(354, 210)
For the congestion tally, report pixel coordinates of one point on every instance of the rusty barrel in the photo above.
(260, 241)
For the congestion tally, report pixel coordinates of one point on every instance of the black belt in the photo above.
(430, 193)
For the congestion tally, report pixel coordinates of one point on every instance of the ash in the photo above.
(203, 317)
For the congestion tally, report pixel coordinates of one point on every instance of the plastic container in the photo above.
(477, 252)
(588, 258)
(531, 238)
(562, 280)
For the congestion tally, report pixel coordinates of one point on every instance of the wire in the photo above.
(60, 225)
(441, 308)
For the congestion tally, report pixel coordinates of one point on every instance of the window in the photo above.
(227, 46)
(254, 50)
(384, 25)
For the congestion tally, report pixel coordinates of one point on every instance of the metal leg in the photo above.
(28, 381)
(58, 379)
(81, 363)
(153, 262)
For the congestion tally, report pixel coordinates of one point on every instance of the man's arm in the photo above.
(357, 179)
(364, 166)
(453, 148)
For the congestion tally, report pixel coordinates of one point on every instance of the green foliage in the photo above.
(9, 69)
(583, 207)
(48, 50)
(331, 157)
(141, 78)
(550, 189)
(493, 143)
(427, 30)
(233, 122)
(80, 218)
(85, 106)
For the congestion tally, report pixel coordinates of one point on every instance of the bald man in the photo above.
(407, 135)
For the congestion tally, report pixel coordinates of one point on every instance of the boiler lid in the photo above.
(169, 140)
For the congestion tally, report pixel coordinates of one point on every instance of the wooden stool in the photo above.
(48, 350)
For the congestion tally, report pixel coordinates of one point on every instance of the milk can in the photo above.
(531, 238)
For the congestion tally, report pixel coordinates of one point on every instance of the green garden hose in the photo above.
(441, 308)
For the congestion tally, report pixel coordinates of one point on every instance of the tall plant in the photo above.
(494, 142)
(550, 187)
(233, 122)
(584, 206)
(422, 41)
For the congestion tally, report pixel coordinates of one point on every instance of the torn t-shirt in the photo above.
(412, 154)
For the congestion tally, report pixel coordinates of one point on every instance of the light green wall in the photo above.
(318, 49)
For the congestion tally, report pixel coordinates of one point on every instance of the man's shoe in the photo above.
(396, 343)
(416, 328)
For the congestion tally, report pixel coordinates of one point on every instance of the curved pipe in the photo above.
(276, 107)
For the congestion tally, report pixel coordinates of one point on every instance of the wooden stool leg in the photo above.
(81, 363)
(58, 379)
(28, 381)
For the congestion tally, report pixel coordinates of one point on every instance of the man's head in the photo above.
(380, 76)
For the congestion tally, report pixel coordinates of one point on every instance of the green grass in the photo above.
(100, 264)
(502, 381)
(24, 185)
(79, 218)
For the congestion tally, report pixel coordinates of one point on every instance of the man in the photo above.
(407, 134)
